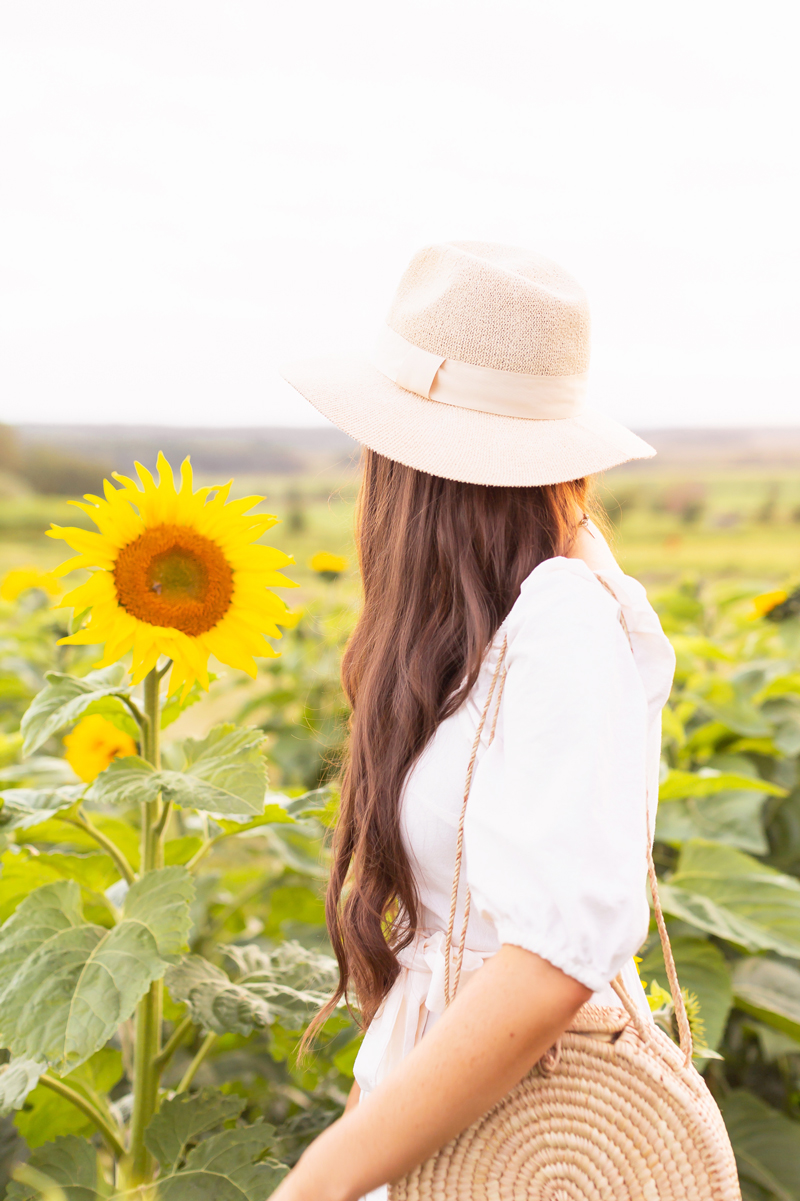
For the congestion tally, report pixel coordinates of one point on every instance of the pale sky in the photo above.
(193, 192)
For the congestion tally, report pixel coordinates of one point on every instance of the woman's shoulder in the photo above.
(557, 592)
(566, 607)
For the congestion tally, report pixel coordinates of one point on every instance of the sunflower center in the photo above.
(178, 575)
(172, 576)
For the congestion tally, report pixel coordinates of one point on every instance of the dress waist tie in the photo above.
(403, 1016)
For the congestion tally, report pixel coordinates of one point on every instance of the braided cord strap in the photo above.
(462, 942)
(679, 1005)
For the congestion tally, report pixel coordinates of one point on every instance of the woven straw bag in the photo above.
(615, 1111)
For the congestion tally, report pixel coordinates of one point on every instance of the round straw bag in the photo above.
(615, 1111)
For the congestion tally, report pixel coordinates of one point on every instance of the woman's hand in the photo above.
(508, 1015)
(591, 546)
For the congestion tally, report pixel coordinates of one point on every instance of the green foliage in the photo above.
(181, 1121)
(767, 1148)
(65, 699)
(26, 807)
(704, 972)
(226, 907)
(278, 986)
(223, 773)
(46, 1111)
(17, 1078)
(74, 982)
(63, 1170)
(728, 893)
(226, 1168)
(302, 709)
(728, 839)
(770, 991)
(229, 1164)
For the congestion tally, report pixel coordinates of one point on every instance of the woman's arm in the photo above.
(508, 1015)
(353, 1097)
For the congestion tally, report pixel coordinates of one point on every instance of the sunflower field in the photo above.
(162, 856)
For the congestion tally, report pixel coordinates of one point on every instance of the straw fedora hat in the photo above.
(480, 373)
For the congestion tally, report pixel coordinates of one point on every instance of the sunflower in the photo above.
(329, 566)
(764, 604)
(21, 579)
(175, 573)
(93, 744)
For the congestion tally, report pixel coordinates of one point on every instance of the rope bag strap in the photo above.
(448, 996)
(451, 981)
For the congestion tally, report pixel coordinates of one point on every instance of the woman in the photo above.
(473, 535)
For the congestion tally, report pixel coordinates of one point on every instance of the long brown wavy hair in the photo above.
(442, 562)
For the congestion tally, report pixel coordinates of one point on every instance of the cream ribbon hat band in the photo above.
(485, 389)
(480, 374)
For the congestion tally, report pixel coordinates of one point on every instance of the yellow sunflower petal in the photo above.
(228, 649)
(97, 589)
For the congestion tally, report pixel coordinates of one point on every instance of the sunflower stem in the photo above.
(140, 1167)
(110, 1132)
(152, 711)
(175, 1040)
(83, 823)
(191, 1071)
(140, 718)
(160, 826)
(164, 669)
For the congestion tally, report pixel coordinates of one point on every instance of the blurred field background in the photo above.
(713, 503)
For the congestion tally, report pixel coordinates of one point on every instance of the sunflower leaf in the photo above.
(126, 780)
(71, 982)
(680, 784)
(733, 818)
(68, 1165)
(728, 893)
(42, 771)
(23, 808)
(17, 1079)
(64, 699)
(285, 984)
(273, 815)
(227, 1167)
(117, 713)
(770, 991)
(181, 1120)
(766, 1145)
(214, 1001)
(225, 773)
(21, 874)
(311, 804)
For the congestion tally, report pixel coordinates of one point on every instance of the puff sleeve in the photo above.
(556, 828)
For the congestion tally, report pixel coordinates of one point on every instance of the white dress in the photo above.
(555, 833)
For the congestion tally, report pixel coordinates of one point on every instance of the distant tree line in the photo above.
(71, 460)
(47, 469)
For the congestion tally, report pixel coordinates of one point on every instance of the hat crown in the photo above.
(494, 306)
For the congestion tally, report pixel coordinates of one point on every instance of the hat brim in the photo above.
(457, 443)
